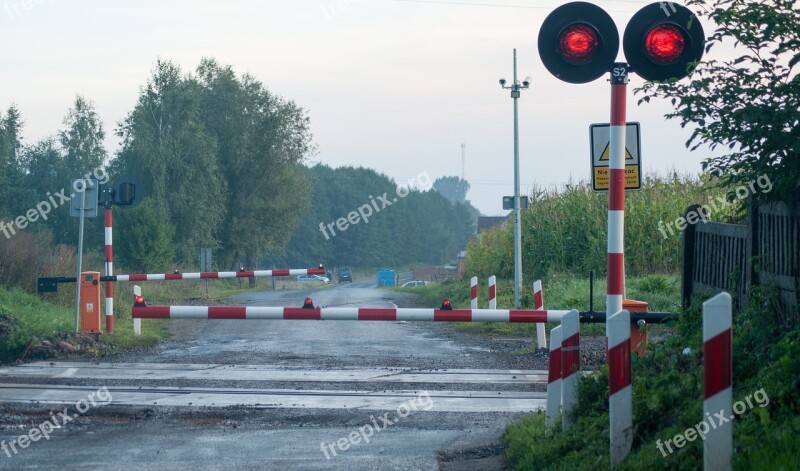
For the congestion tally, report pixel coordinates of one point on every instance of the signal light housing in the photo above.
(138, 301)
(446, 306)
(578, 42)
(308, 304)
(662, 40)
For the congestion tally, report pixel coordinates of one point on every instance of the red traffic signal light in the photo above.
(662, 40)
(578, 42)
(308, 304)
(138, 301)
(446, 306)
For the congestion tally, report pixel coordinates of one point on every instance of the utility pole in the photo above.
(464, 162)
(515, 88)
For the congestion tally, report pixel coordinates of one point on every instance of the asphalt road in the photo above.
(231, 394)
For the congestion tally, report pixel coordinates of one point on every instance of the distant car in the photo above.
(345, 275)
(412, 284)
(313, 279)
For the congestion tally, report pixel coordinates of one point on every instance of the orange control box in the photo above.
(90, 302)
(638, 336)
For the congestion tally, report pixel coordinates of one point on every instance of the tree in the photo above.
(263, 140)
(452, 188)
(748, 105)
(10, 145)
(165, 143)
(144, 243)
(82, 140)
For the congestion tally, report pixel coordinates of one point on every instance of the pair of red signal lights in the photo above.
(579, 42)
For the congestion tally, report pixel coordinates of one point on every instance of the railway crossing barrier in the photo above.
(473, 292)
(492, 292)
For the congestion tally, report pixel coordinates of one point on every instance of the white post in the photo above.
(473, 292)
(137, 323)
(620, 405)
(718, 391)
(492, 292)
(554, 378)
(538, 301)
(570, 364)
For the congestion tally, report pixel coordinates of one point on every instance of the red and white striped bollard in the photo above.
(717, 382)
(473, 292)
(492, 292)
(554, 378)
(620, 405)
(538, 304)
(570, 365)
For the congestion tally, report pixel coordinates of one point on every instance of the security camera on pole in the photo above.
(578, 43)
(515, 88)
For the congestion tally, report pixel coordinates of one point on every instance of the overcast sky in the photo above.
(394, 85)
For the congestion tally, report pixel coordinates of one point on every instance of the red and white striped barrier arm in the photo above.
(345, 314)
(109, 252)
(554, 378)
(717, 382)
(538, 304)
(570, 365)
(616, 198)
(620, 405)
(492, 292)
(221, 274)
(473, 292)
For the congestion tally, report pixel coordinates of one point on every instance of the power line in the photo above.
(496, 5)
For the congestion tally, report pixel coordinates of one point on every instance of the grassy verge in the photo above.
(27, 319)
(668, 398)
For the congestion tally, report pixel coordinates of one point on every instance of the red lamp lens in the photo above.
(664, 44)
(579, 43)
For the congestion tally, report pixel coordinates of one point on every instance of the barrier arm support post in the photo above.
(473, 292)
(538, 304)
(620, 405)
(137, 322)
(717, 381)
(570, 365)
(554, 379)
(492, 292)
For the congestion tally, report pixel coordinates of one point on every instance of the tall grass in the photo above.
(566, 231)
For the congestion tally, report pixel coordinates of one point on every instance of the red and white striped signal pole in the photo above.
(616, 192)
(109, 240)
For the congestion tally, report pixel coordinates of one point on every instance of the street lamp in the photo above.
(515, 88)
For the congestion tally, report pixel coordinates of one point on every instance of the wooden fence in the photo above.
(732, 257)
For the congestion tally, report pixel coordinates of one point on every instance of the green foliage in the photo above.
(668, 399)
(452, 188)
(23, 316)
(566, 232)
(165, 143)
(144, 243)
(420, 227)
(747, 106)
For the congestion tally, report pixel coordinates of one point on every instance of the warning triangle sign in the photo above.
(605, 155)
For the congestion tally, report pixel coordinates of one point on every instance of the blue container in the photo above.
(386, 278)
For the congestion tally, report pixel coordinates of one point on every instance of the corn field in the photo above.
(566, 231)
